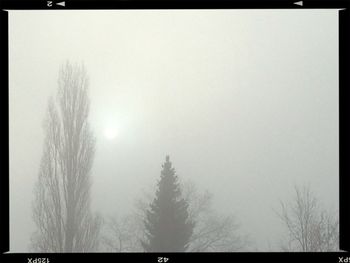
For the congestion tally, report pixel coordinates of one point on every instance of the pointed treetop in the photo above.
(167, 167)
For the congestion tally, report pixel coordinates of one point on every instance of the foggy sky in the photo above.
(245, 102)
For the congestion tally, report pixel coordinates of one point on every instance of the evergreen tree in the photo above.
(167, 224)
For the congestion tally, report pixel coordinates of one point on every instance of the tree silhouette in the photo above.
(310, 228)
(167, 224)
(61, 209)
(213, 231)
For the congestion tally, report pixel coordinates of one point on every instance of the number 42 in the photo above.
(162, 259)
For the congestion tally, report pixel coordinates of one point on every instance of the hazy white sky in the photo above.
(244, 101)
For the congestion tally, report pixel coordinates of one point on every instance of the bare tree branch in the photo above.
(310, 228)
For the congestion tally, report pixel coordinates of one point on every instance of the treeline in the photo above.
(176, 218)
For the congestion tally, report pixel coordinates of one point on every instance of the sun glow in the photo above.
(110, 133)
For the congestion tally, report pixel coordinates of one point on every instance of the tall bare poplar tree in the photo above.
(61, 209)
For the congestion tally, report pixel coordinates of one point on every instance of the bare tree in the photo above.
(123, 234)
(310, 228)
(61, 209)
(212, 232)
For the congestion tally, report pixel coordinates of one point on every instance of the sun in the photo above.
(110, 133)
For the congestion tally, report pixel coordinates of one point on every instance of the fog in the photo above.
(245, 102)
